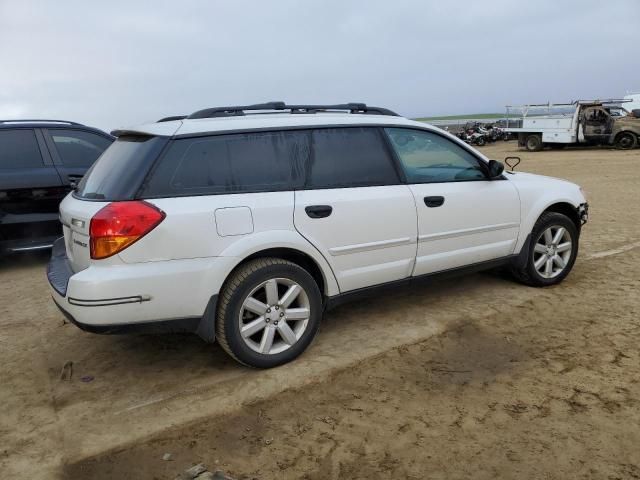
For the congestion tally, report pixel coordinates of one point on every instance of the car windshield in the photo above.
(117, 174)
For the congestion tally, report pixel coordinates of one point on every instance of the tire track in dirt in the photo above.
(545, 389)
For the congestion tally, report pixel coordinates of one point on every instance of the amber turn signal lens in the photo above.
(103, 247)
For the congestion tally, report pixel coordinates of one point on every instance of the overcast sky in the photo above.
(112, 63)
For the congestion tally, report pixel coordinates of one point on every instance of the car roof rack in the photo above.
(174, 117)
(40, 120)
(277, 107)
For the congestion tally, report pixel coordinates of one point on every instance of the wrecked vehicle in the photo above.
(586, 122)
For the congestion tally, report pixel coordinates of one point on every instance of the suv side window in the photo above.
(78, 148)
(427, 157)
(349, 157)
(235, 163)
(19, 149)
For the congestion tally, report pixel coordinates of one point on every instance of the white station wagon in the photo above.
(244, 224)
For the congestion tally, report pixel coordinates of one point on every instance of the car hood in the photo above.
(523, 177)
(536, 187)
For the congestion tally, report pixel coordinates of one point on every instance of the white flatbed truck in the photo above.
(588, 122)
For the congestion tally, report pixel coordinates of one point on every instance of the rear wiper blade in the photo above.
(94, 196)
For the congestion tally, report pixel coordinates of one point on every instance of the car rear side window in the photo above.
(349, 157)
(77, 148)
(235, 163)
(19, 149)
(119, 172)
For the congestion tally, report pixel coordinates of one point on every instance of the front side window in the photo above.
(235, 163)
(77, 148)
(349, 157)
(19, 149)
(427, 157)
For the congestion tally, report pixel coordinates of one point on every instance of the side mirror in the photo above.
(495, 169)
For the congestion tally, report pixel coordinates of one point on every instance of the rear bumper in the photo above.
(167, 296)
(186, 325)
(58, 270)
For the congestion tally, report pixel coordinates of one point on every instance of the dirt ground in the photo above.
(469, 378)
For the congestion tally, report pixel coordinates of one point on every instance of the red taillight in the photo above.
(120, 224)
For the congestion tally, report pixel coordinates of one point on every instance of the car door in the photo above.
(354, 209)
(598, 125)
(463, 218)
(30, 190)
(73, 151)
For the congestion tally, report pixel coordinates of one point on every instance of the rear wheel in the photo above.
(552, 251)
(533, 143)
(269, 312)
(626, 141)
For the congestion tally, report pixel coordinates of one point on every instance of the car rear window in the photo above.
(119, 171)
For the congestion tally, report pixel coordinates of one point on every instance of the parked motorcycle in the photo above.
(472, 137)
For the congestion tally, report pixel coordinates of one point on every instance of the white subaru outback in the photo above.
(243, 224)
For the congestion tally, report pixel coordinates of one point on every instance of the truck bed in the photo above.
(554, 128)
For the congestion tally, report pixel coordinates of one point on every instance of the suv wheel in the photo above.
(552, 252)
(269, 312)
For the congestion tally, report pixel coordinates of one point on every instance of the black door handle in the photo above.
(318, 211)
(433, 201)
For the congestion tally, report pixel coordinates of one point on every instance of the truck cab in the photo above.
(596, 125)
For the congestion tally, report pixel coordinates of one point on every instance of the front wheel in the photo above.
(269, 312)
(626, 141)
(552, 251)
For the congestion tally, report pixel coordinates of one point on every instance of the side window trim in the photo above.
(42, 145)
(481, 162)
(397, 163)
(52, 147)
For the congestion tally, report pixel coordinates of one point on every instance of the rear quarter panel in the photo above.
(192, 229)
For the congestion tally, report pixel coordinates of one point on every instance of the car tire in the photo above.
(257, 324)
(533, 143)
(553, 249)
(626, 141)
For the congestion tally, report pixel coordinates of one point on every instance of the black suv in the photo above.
(40, 161)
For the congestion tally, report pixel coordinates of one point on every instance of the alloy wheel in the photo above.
(552, 251)
(274, 316)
